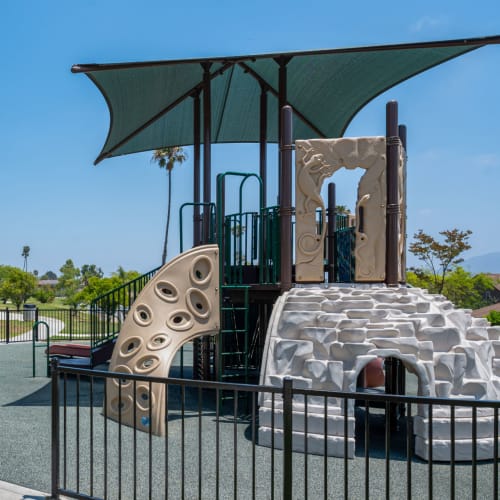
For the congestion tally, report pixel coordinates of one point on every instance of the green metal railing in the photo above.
(201, 219)
(109, 310)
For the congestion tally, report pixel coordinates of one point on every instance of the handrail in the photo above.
(34, 337)
(107, 304)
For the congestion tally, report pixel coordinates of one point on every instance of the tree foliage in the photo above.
(68, 283)
(17, 286)
(440, 256)
(460, 286)
(88, 271)
(494, 318)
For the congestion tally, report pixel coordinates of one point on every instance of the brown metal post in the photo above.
(286, 198)
(207, 149)
(332, 227)
(196, 169)
(282, 100)
(402, 135)
(392, 206)
(263, 144)
(204, 345)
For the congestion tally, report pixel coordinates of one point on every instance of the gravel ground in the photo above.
(25, 450)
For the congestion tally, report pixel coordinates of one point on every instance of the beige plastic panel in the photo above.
(317, 159)
(180, 303)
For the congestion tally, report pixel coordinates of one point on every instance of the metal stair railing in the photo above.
(109, 309)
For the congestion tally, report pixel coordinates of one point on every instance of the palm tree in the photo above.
(25, 254)
(167, 158)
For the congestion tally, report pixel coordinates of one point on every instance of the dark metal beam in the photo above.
(286, 198)
(392, 205)
(207, 149)
(402, 135)
(196, 168)
(263, 144)
(332, 223)
(461, 42)
(275, 93)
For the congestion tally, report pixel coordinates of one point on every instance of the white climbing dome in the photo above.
(323, 337)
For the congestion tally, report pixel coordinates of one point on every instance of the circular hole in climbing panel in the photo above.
(180, 320)
(122, 382)
(158, 341)
(121, 405)
(201, 270)
(143, 315)
(144, 398)
(167, 291)
(147, 363)
(130, 346)
(198, 303)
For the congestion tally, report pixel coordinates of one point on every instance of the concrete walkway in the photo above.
(10, 491)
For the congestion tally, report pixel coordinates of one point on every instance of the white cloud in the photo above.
(428, 23)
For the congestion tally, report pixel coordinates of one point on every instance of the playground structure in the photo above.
(286, 318)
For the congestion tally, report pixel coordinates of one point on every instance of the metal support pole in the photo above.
(207, 149)
(55, 430)
(196, 169)
(332, 227)
(263, 143)
(286, 198)
(287, 437)
(392, 207)
(282, 100)
(204, 344)
(402, 135)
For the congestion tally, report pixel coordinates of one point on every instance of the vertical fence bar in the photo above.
(409, 449)
(235, 444)
(55, 430)
(367, 450)
(7, 326)
(452, 452)
(474, 453)
(287, 437)
(388, 407)
(431, 438)
(346, 448)
(495, 453)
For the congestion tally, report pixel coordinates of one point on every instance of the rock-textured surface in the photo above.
(322, 337)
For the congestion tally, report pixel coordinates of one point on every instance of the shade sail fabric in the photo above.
(151, 103)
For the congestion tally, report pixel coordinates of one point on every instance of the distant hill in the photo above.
(487, 263)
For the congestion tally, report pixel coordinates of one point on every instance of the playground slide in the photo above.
(179, 304)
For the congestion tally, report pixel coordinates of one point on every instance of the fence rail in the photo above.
(64, 324)
(211, 447)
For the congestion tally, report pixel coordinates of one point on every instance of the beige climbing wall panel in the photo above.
(180, 303)
(317, 159)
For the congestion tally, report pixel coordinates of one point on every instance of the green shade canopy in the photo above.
(151, 103)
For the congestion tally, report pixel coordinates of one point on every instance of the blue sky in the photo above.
(53, 123)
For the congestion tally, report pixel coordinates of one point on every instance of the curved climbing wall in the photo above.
(179, 304)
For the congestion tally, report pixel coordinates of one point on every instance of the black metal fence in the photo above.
(211, 444)
(16, 325)
(108, 311)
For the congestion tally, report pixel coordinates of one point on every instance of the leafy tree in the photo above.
(25, 254)
(17, 286)
(97, 286)
(68, 284)
(494, 318)
(465, 290)
(49, 275)
(44, 294)
(88, 271)
(440, 257)
(125, 276)
(167, 158)
(4, 273)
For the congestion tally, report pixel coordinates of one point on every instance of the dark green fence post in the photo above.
(7, 326)
(55, 430)
(287, 437)
(70, 324)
